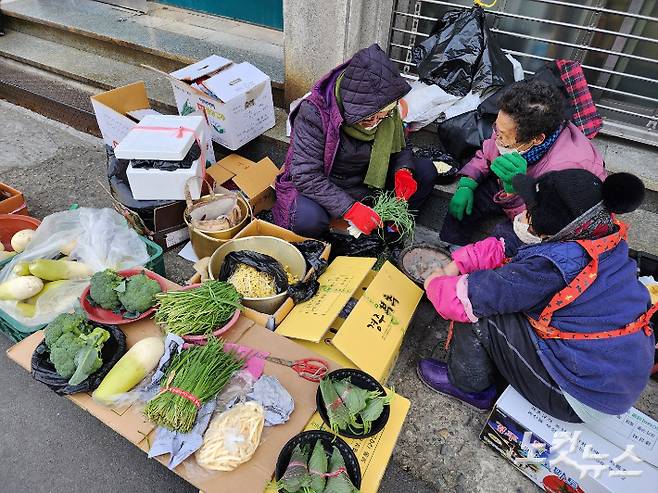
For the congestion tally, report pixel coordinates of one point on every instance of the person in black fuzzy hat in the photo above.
(565, 321)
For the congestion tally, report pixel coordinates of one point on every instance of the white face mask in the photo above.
(505, 150)
(521, 229)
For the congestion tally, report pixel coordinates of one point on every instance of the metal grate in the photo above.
(616, 42)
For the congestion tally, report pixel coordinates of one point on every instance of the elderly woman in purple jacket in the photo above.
(347, 144)
(565, 321)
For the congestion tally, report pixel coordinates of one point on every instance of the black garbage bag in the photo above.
(312, 251)
(43, 370)
(347, 246)
(120, 188)
(260, 262)
(463, 135)
(461, 55)
(186, 163)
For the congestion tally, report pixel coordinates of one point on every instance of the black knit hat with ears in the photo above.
(557, 198)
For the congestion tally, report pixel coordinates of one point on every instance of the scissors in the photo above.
(310, 369)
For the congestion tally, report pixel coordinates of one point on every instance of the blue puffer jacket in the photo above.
(605, 374)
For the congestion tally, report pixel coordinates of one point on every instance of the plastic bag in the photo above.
(260, 262)
(461, 55)
(103, 240)
(348, 246)
(424, 104)
(312, 251)
(43, 370)
(463, 135)
(186, 163)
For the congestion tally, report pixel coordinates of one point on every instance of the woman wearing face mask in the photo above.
(566, 321)
(530, 137)
(347, 144)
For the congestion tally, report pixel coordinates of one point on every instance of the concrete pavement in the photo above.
(50, 445)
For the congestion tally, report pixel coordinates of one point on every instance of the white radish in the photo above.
(69, 247)
(6, 255)
(131, 369)
(21, 240)
(20, 288)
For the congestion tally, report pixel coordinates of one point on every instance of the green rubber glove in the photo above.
(507, 167)
(462, 201)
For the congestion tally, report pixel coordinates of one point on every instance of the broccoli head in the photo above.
(139, 294)
(88, 358)
(102, 289)
(65, 323)
(63, 352)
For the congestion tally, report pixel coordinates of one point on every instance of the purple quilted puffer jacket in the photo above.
(324, 164)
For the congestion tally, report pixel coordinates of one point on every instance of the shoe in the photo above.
(434, 374)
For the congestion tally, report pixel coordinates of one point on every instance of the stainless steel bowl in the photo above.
(287, 254)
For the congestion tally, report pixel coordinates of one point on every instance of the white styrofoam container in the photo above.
(155, 184)
(147, 140)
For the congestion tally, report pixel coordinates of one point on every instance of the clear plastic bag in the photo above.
(102, 240)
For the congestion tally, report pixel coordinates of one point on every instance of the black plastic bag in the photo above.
(44, 371)
(463, 135)
(347, 246)
(461, 55)
(312, 251)
(186, 163)
(260, 262)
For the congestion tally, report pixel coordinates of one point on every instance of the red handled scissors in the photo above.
(310, 369)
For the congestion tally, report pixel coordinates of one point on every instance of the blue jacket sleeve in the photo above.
(519, 286)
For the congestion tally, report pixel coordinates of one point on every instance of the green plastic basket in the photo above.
(16, 331)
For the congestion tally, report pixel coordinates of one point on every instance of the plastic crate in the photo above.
(16, 331)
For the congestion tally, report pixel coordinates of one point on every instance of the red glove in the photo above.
(405, 185)
(363, 218)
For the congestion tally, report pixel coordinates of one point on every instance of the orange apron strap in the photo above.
(585, 278)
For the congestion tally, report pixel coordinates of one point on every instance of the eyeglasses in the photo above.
(514, 145)
(376, 116)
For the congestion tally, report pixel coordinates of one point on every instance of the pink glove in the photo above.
(449, 295)
(483, 255)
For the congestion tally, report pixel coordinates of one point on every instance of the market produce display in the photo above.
(232, 437)
(315, 473)
(396, 211)
(75, 346)
(351, 408)
(198, 310)
(193, 377)
(132, 368)
(129, 296)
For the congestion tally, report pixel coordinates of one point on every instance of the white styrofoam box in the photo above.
(148, 140)
(567, 456)
(155, 184)
(243, 108)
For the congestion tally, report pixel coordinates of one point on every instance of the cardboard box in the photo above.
(255, 180)
(112, 109)
(515, 427)
(243, 107)
(384, 303)
(131, 424)
(12, 201)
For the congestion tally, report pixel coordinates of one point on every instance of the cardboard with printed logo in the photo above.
(356, 308)
(554, 453)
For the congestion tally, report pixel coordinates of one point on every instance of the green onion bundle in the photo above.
(194, 376)
(395, 210)
(199, 310)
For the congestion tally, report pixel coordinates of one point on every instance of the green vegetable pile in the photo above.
(315, 473)
(350, 407)
(198, 373)
(75, 346)
(199, 310)
(129, 296)
(394, 210)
